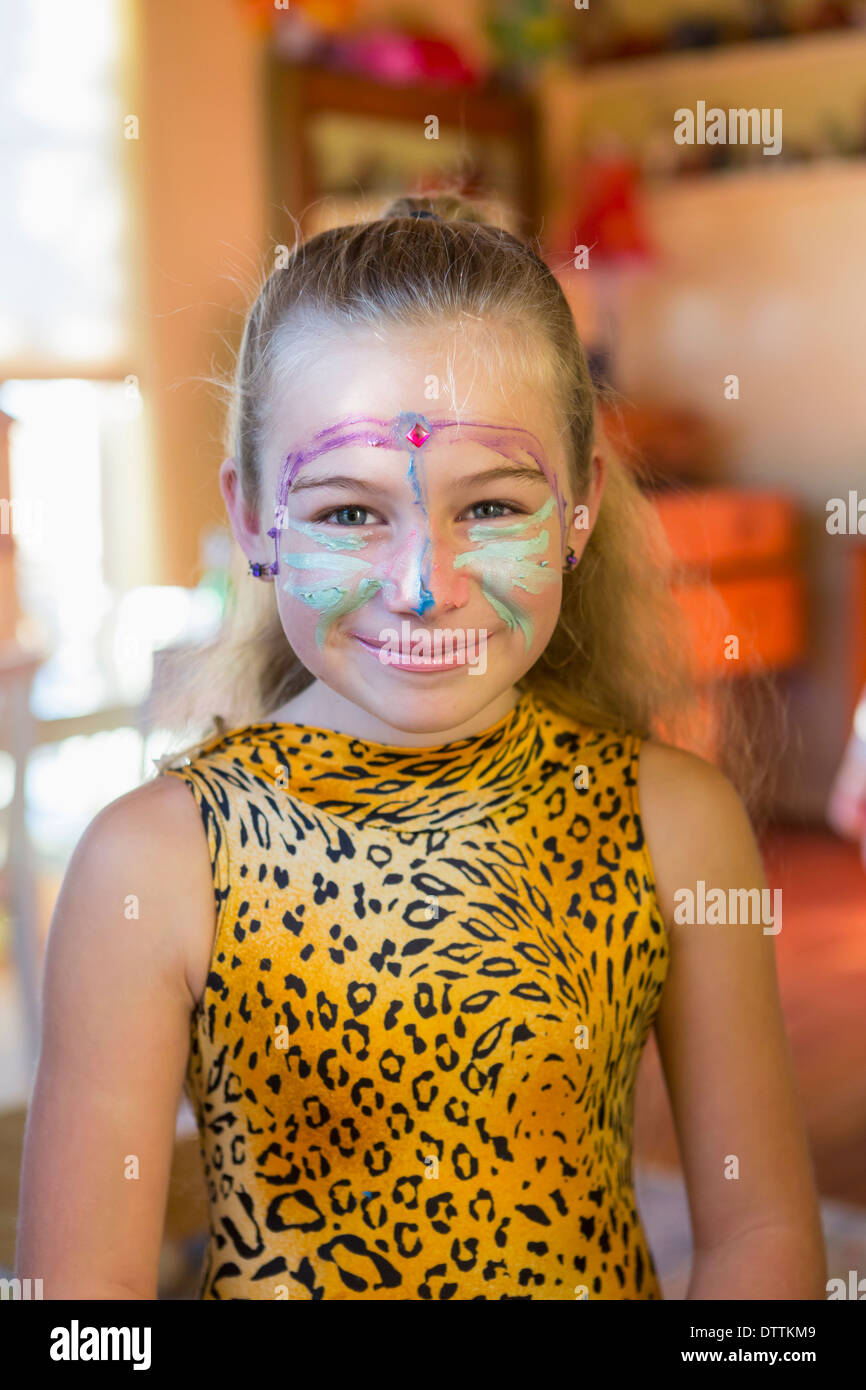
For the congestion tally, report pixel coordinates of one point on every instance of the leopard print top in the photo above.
(433, 975)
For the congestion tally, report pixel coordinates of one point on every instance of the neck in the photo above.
(321, 707)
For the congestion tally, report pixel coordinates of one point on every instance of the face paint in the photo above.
(336, 600)
(307, 528)
(503, 558)
(416, 431)
(333, 600)
(506, 440)
(496, 557)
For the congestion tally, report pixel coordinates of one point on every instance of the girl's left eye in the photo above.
(500, 509)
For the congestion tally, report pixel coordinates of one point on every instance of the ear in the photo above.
(245, 524)
(585, 514)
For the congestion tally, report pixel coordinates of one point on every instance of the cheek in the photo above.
(320, 571)
(299, 620)
(322, 583)
(521, 558)
(522, 587)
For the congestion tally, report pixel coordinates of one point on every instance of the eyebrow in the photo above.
(514, 472)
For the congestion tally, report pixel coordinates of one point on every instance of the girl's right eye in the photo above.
(352, 512)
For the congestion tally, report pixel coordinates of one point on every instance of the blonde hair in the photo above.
(619, 656)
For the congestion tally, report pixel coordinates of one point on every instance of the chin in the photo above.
(421, 705)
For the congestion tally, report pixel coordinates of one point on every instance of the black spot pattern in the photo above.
(383, 1064)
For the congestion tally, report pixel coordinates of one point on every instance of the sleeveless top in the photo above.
(433, 975)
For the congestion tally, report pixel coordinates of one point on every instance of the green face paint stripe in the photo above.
(332, 600)
(315, 598)
(498, 552)
(510, 613)
(366, 589)
(534, 583)
(495, 552)
(342, 564)
(309, 528)
(333, 603)
(494, 545)
(478, 532)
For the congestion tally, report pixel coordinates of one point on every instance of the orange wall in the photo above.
(203, 207)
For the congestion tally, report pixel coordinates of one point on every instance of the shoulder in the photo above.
(143, 858)
(694, 822)
(159, 817)
(150, 837)
(674, 782)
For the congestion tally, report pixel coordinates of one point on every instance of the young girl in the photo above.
(408, 936)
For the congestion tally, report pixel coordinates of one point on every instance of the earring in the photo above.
(570, 561)
(259, 569)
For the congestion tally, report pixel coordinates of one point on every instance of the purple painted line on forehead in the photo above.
(375, 433)
(334, 437)
(500, 438)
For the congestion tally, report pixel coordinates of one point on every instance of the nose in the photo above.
(421, 578)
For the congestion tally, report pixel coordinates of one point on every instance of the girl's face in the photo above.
(420, 513)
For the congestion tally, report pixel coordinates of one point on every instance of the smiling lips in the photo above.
(406, 660)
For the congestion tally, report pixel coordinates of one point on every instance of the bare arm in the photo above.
(116, 1008)
(724, 1050)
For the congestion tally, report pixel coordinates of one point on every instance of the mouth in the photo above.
(404, 659)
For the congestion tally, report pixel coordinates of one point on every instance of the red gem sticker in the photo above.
(417, 435)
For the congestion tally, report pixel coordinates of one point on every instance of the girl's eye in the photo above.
(347, 516)
(498, 509)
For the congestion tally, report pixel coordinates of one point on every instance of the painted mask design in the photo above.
(335, 579)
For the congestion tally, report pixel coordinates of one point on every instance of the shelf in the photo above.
(822, 42)
(773, 173)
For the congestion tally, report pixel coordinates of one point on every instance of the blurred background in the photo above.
(153, 153)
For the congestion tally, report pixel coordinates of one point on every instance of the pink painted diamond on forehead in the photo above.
(417, 434)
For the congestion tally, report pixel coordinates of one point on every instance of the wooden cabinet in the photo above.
(342, 144)
(746, 544)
